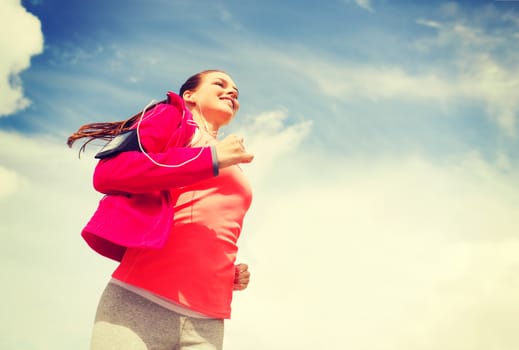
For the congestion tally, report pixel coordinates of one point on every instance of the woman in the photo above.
(172, 214)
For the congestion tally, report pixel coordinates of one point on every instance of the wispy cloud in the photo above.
(383, 245)
(229, 19)
(404, 250)
(8, 182)
(428, 23)
(35, 202)
(483, 68)
(380, 245)
(270, 137)
(478, 79)
(469, 72)
(21, 39)
(365, 4)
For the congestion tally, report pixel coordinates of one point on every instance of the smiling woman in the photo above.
(217, 87)
(172, 214)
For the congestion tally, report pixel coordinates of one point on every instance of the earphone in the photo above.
(141, 148)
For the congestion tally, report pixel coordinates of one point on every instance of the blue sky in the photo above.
(115, 57)
(385, 177)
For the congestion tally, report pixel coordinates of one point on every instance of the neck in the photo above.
(210, 128)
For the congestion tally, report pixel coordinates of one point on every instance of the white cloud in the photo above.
(268, 137)
(398, 253)
(479, 74)
(21, 39)
(480, 78)
(382, 254)
(468, 74)
(228, 18)
(428, 23)
(512, 17)
(353, 81)
(49, 278)
(365, 4)
(9, 181)
(41, 223)
(421, 254)
(497, 86)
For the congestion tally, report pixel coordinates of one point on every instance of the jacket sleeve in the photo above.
(167, 162)
(134, 172)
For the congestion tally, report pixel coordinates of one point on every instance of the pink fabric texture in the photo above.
(137, 210)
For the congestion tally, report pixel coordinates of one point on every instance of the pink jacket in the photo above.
(136, 210)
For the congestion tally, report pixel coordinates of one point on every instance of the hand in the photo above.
(241, 276)
(230, 151)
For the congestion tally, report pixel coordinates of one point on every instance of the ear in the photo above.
(188, 96)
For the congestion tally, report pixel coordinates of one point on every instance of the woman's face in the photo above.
(216, 98)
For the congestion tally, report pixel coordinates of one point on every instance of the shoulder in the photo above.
(157, 124)
(166, 114)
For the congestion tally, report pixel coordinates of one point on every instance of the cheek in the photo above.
(236, 106)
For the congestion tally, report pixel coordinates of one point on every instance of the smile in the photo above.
(231, 101)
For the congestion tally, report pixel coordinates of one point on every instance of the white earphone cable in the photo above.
(142, 148)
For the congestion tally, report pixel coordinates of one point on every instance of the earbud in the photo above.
(189, 97)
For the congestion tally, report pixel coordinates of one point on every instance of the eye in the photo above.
(219, 83)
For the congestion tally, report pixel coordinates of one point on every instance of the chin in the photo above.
(220, 117)
(226, 117)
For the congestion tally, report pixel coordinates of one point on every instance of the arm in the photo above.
(163, 133)
(134, 172)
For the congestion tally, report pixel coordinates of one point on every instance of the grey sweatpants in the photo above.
(127, 321)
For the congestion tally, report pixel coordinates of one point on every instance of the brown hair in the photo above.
(107, 130)
(193, 81)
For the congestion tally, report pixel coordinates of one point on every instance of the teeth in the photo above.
(230, 102)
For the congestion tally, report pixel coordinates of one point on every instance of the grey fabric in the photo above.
(125, 320)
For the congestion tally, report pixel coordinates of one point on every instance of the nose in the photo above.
(232, 93)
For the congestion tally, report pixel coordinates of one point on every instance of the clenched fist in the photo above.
(230, 151)
(241, 276)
